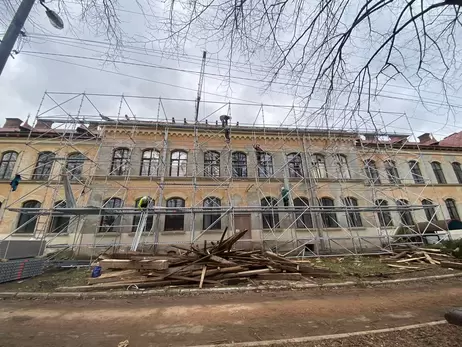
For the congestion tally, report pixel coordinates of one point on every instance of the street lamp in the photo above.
(16, 25)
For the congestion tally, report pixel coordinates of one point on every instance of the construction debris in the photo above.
(420, 255)
(215, 265)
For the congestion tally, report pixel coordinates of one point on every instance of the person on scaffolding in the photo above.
(145, 202)
(226, 126)
(259, 151)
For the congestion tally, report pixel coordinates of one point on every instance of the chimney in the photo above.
(43, 124)
(12, 123)
(427, 137)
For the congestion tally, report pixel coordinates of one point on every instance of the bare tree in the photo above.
(333, 51)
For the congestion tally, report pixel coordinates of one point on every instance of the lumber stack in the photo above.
(408, 259)
(216, 264)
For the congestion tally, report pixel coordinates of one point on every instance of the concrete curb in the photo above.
(186, 291)
(285, 342)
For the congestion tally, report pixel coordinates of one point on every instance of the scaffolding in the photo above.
(332, 192)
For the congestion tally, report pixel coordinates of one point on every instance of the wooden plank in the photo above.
(204, 270)
(431, 250)
(131, 278)
(399, 255)
(122, 264)
(280, 276)
(222, 261)
(193, 279)
(152, 264)
(429, 259)
(279, 258)
(410, 259)
(451, 264)
(110, 286)
(403, 267)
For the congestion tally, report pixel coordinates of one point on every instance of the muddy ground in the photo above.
(222, 318)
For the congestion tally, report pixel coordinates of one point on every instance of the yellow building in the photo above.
(300, 192)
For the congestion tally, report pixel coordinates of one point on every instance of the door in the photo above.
(242, 222)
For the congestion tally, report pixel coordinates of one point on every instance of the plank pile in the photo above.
(217, 264)
(407, 259)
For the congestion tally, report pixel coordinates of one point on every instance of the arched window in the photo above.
(212, 164)
(137, 218)
(416, 173)
(384, 214)
(341, 163)
(174, 221)
(239, 163)
(429, 210)
(458, 171)
(149, 163)
(318, 162)
(43, 166)
(270, 218)
(304, 220)
(120, 162)
(212, 221)
(329, 217)
(7, 164)
(59, 224)
(404, 212)
(295, 165)
(265, 165)
(438, 171)
(111, 222)
(452, 209)
(74, 165)
(352, 214)
(371, 171)
(392, 172)
(178, 163)
(27, 222)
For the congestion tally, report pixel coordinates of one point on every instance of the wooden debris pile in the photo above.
(214, 265)
(408, 259)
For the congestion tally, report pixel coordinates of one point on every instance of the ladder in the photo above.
(139, 230)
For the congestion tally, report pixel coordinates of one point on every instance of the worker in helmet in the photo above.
(144, 202)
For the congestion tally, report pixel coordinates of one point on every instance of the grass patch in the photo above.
(49, 281)
(354, 266)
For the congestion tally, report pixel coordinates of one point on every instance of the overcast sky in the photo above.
(48, 60)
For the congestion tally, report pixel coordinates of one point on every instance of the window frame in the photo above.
(405, 214)
(182, 163)
(295, 165)
(318, 162)
(384, 216)
(353, 216)
(457, 171)
(75, 166)
(372, 172)
(212, 164)
(341, 162)
(438, 172)
(114, 226)
(430, 211)
(303, 218)
(270, 219)
(211, 221)
(239, 164)
(329, 218)
(452, 210)
(59, 224)
(6, 171)
(416, 172)
(24, 218)
(149, 166)
(392, 171)
(44, 167)
(120, 166)
(137, 217)
(171, 218)
(265, 166)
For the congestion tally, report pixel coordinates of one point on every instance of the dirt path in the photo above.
(187, 321)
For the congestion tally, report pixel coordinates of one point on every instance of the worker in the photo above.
(15, 182)
(224, 120)
(285, 196)
(144, 202)
(227, 134)
(259, 151)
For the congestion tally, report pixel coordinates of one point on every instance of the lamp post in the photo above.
(17, 24)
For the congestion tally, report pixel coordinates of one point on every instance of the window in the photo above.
(43, 167)
(74, 165)
(59, 224)
(270, 218)
(149, 163)
(429, 210)
(341, 163)
(212, 164)
(438, 171)
(178, 163)
(137, 218)
(120, 162)
(212, 221)
(392, 172)
(174, 221)
(318, 163)
(7, 164)
(384, 215)
(329, 218)
(110, 222)
(404, 212)
(304, 220)
(239, 164)
(371, 171)
(353, 216)
(265, 165)
(457, 170)
(416, 173)
(452, 209)
(295, 165)
(27, 222)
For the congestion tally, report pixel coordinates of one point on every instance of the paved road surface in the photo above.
(188, 321)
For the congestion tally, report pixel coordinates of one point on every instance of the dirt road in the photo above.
(187, 321)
